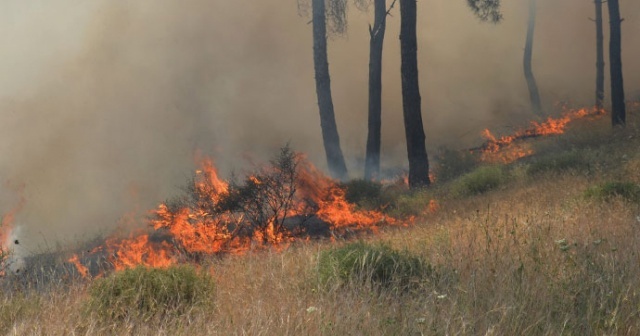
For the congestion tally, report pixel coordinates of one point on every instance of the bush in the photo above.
(454, 163)
(362, 192)
(609, 190)
(559, 162)
(145, 292)
(410, 204)
(479, 181)
(377, 265)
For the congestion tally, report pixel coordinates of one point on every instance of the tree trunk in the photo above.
(372, 161)
(534, 94)
(618, 108)
(600, 57)
(416, 148)
(330, 136)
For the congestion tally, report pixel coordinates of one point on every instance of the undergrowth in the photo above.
(144, 292)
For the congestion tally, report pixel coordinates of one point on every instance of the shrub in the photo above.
(559, 162)
(453, 163)
(410, 204)
(363, 192)
(377, 265)
(606, 191)
(479, 181)
(145, 292)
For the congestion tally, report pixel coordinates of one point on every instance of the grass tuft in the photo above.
(146, 292)
(479, 181)
(609, 190)
(377, 265)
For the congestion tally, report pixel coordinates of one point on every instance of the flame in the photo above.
(82, 269)
(504, 149)
(197, 227)
(6, 225)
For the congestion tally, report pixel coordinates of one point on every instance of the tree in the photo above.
(534, 94)
(411, 101)
(618, 108)
(330, 136)
(599, 56)
(486, 10)
(372, 161)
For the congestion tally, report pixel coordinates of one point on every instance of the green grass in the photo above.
(377, 265)
(146, 292)
(479, 181)
(560, 162)
(609, 190)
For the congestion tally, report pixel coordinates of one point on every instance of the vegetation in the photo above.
(479, 181)
(607, 191)
(560, 162)
(143, 292)
(377, 265)
(535, 258)
(454, 163)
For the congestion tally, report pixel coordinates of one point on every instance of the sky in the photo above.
(104, 104)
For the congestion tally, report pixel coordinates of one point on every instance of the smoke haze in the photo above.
(104, 103)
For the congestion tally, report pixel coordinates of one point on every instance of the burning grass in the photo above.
(535, 258)
(283, 201)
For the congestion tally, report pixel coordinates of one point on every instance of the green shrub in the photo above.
(410, 204)
(363, 192)
(145, 292)
(454, 163)
(606, 191)
(479, 181)
(559, 162)
(378, 265)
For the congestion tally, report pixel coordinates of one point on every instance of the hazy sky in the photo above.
(103, 103)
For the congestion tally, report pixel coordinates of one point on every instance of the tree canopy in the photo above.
(486, 10)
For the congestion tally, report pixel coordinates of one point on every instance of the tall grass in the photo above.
(534, 258)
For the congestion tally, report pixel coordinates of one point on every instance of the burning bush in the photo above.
(266, 198)
(283, 200)
(146, 292)
(626, 190)
(479, 181)
(376, 265)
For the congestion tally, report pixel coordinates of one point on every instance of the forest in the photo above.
(320, 167)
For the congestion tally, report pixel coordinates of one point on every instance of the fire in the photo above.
(6, 226)
(214, 219)
(504, 149)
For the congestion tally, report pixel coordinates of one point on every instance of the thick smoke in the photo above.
(104, 103)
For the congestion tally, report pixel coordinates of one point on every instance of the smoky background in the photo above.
(104, 104)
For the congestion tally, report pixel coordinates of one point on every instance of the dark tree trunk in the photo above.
(416, 148)
(600, 57)
(330, 136)
(618, 108)
(534, 94)
(372, 161)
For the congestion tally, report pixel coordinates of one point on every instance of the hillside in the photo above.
(545, 244)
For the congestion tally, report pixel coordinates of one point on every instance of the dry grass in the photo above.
(533, 257)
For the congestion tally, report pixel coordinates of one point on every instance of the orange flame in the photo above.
(186, 231)
(502, 149)
(6, 225)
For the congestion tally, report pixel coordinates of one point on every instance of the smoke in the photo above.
(104, 103)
